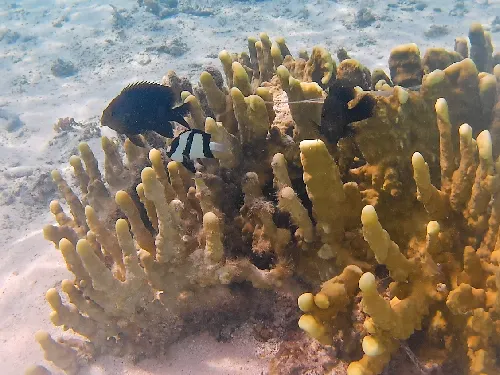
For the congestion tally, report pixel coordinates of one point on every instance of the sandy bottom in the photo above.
(23, 309)
(194, 355)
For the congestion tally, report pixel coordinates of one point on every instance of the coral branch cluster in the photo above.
(399, 223)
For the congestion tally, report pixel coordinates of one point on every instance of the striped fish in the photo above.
(193, 144)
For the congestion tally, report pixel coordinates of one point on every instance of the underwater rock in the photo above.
(174, 47)
(364, 17)
(142, 59)
(169, 8)
(63, 68)
(121, 18)
(66, 124)
(420, 5)
(495, 24)
(342, 54)
(8, 35)
(436, 31)
(459, 9)
(17, 172)
(10, 121)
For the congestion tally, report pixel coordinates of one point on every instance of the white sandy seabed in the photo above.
(109, 53)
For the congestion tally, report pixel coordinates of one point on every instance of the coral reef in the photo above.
(394, 228)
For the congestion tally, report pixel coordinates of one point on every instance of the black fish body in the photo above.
(336, 116)
(143, 107)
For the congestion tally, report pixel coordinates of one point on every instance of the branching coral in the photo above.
(149, 243)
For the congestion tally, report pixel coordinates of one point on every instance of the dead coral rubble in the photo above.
(412, 196)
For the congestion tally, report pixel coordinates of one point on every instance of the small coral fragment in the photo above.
(63, 357)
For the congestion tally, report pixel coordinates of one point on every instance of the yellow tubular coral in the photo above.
(60, 355)
(231, 157)
(90, 161)
(445, 145)
(321, 309)
(320, 170)
(106, 239)
(240, 79)
(174, 173)
(74, 263)
(142, 235)
(264, 57)
(252, 116)
(216, 98)
(226, 60)
(289, 202)
(405, 65)
(321, 66)
(214, 250)
(158, 166)
(113, 165)
(434, 200)
(276, 55)
(148, 205)
(307, 116)
(374, 305)
(195, 111)
(168, 242)
(267, 96)
(79, 172)
(386, 251)
(463, 176)
(75, 205)
(485, 183)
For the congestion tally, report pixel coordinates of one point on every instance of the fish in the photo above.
(144, 106)
(193, 144)
(337, 117)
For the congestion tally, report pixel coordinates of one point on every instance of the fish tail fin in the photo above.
(183, 109)
(165, 130)
(136, 139)
(349, 130)
(218, 147)
(188, 164)
(363, 110)
(181, 120)
(179, 113)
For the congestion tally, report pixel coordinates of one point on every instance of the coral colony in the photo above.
(388, 239)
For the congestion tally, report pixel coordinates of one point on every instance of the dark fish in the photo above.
(143, 107)
(336, 115)
(193, 144)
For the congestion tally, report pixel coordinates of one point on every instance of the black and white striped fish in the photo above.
(193, 144)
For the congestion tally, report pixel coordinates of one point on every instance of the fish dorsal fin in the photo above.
(139, 85)
(344, 93)
(147, 86)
